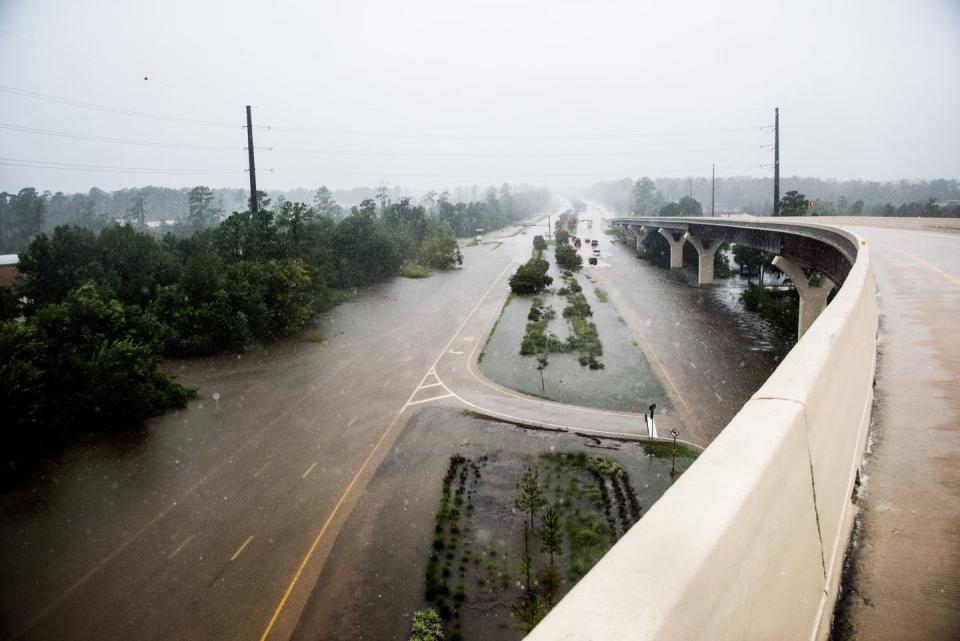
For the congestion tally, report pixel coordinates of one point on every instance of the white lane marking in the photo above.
(240, 549)
(309, 469)
(180, 547)
(433, 368)
(455, 352)
(430, 385)
(717, 395)
(260, 471)
(432, 398)
(352, 421)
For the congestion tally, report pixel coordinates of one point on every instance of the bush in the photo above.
(567, 257)
(531, 277)
(539, 243)
(440, 252)
(413, 270)
(577, 306)
(562, 236)
(426, 626)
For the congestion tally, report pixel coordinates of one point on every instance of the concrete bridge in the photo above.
(750, 542)
(815, 258)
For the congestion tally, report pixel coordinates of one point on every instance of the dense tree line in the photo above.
(84, 329)
(28, 212)
(754, 195)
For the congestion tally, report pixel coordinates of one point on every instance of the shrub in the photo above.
(426, 626)
(413, 270)
(440, 252)
(539, 243)
(531, 277)
(567, 257)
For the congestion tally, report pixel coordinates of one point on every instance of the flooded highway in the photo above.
(215, 522)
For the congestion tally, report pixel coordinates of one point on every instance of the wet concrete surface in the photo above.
(904, 578)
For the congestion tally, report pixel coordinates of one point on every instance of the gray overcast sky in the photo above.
(433, 93)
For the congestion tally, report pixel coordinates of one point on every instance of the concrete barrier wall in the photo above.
(749, 543)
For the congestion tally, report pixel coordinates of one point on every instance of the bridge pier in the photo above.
(676, 241)
(639, 234)
(813, 297)
(705, 253)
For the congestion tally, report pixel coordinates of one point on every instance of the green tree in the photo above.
(793, 203)
(440, 252)
(551, 542)
(646, 199)
(426, 626)
(531, 277)
(539, 243)
(78, 368)
(293, 217)
(671, 209)
(54, 265)
(200, 201)
(567, 257)
(325, 205)
(690, 207)
(529, 494)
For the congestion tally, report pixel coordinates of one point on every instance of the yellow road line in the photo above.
(180, 547)
(950, 277)
(363, 467)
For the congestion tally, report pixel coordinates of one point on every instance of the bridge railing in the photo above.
(749, 542)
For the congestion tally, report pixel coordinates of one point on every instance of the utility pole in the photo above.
(776, 161)
(253, 168)
(713, 190)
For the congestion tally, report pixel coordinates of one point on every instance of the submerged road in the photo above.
(215, 521)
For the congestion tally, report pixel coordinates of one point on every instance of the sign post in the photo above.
(673, 458)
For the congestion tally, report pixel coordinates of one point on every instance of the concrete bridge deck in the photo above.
(904, 582)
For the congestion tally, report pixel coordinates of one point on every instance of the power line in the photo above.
(495, 136)
(115, 110)
(638, 152)
(51, 164)
(119, 141)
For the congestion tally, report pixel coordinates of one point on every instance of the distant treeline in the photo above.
(755, 195)
(30, 211)
(84, 329)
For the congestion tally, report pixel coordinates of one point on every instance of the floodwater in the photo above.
(373, 580)
(711, 353)
(626, 383)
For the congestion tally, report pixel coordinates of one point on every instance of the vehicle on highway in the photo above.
(592, 260)
(594, 242)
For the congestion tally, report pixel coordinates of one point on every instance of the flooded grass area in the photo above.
(439, 526)
(594, 366)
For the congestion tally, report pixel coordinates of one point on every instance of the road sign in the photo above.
(674, 433)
